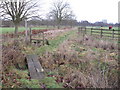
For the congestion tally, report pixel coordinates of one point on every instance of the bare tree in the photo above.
(60, 10)
(17, 10)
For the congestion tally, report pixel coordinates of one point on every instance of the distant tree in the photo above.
(17, 10)
(60, 11)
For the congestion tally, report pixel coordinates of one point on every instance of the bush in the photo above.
(13, 57)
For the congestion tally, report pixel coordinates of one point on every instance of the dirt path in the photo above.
(54, 33)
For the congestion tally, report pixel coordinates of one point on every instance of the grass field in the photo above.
(116, 28)
(11, 29)
(107, 32)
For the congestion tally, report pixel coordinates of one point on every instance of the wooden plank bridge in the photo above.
(35, 69)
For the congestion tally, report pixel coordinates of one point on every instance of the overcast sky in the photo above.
(91, 10)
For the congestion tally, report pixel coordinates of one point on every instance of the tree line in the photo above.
(47, 23)
(21, 10)
(16, 12)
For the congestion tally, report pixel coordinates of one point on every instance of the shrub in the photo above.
(12, 57)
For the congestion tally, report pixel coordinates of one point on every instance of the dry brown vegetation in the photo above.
(84, 62)
(77, 62)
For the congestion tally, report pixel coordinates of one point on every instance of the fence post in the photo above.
(30, 35)
(113, 33)
(85, 31)
(43, 38)
(101, 33)
(91, 31)
(79, 30)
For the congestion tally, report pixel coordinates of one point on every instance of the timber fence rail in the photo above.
(100, 31)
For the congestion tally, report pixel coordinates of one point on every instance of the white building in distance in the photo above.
(104, 21)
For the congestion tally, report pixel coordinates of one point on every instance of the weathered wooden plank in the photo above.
(38, 67)
(31, 67)
(34, 66)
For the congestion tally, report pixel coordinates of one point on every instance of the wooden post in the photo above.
(79, 30)
(7, 36)
(43, 38)
(85, 31)
(113, 33)
(39, 34)
(26, 31)
(91, 30)
(101, 33)
(30, 35)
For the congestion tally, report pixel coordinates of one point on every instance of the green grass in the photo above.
(116, 28)
(54, 43)
(104, 33)
(11, 29)
(51, 83)
(29, 84)
(20, 29)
